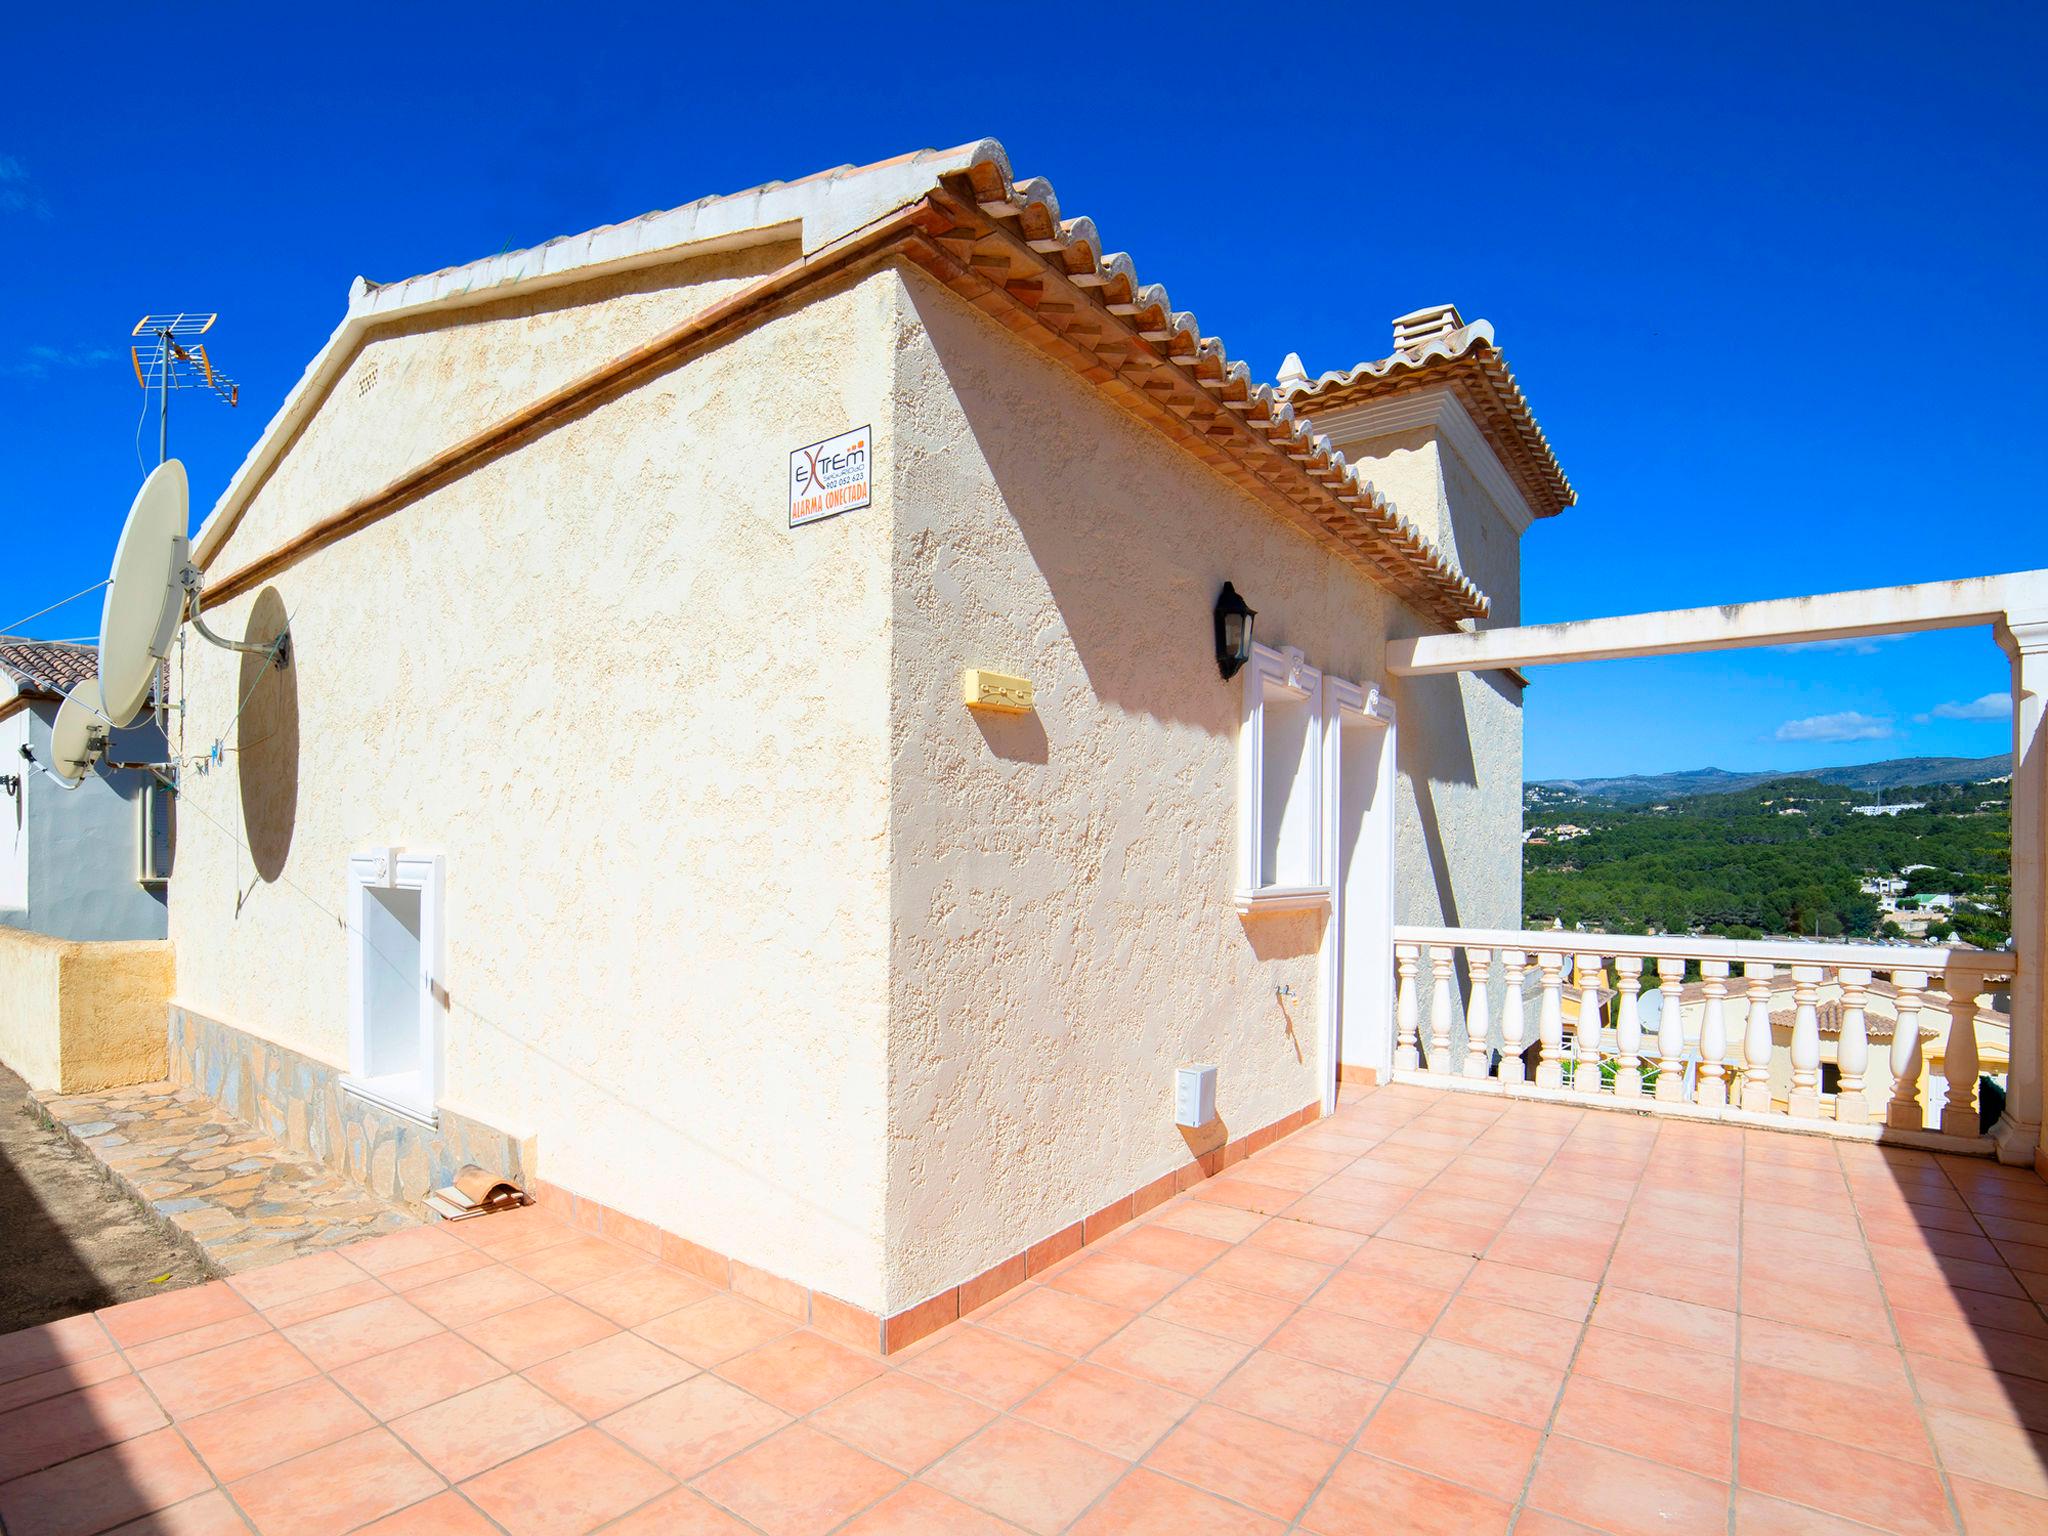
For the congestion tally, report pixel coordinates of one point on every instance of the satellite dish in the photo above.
(78, 737)
(146, 594)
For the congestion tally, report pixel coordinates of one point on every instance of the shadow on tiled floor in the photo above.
(1428, 1313)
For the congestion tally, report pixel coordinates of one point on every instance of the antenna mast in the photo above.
(169, 360)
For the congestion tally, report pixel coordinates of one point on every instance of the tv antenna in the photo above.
(172, 358)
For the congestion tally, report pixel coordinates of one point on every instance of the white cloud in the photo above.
(1861, 645)
(1992, 706)
(38, 362)
(1846, 726)
(18, 192)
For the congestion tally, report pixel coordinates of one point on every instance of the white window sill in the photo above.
(1282, 898)
(402, 1093)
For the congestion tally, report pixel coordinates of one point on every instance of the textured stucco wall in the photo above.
(76, 1016)
(81, 844)
(1064, 936)
(646, 724)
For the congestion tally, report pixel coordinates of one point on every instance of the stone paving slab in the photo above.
(235, 1196)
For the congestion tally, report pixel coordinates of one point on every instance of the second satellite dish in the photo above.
(146, 595)
(78, 736)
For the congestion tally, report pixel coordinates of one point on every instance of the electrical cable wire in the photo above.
(14, 630)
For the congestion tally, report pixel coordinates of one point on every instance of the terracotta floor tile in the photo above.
(683, 1512)
(1381, 1298)
(1988, 1510)
(1218, 1221)
(1120, 1282)
(1683, 1375)
(1027, 1475)
(1433, 1267)
(209, 1514)
(918, 1510)
(1862, 1414)
(1688, 1436)
(1626, 1494)
(1841, 1480)
(1245, 1194)
(580, 1261)
(1828, 1356)
(416, 1374)
(511, 1233)
(464, 1261)
(262, 1431)
(1372, 1350)
(404, 1250)
(1106, 1409)
(52, 1346)
(1558, 1296)
(341, 1338)
(694, 1425)
(56, 1429)
(1579, 1259)
(194, 1341)
(988, 1367)
(901, 1420)
(1483, 1380)
(1057, 1319)
(304, 1309)
(336, 1488)
(715, 1329)
(1985, 1393)
(1437, 1438)
(297, 1278)
(1365, 1494)
(1300, 1395)
(2001, 1454)
(1269, 1272)
(1530, 1336)
(1305, 1240)
(24, 1390)
(607, 1375)
(1246, 1317)
(567, 1487)
(90, 1493)
(472, 1431)
(472, 1297)
(798, 1482)
(800, 1371)
(538, 1331)
(153, 1317)
(1759, 1515)
(1675, 1322)
(1169, 1248)
(641, 1295)
(200, 1383)
(1184, 1359)
(1250, 1461)
(1146, 1504)
(445, 1514)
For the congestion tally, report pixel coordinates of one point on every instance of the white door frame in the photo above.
(1361, 964)
(389, 869)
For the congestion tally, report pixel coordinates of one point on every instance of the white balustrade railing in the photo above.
(1718, 1050)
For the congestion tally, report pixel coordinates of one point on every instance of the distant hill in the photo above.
(1634, 789)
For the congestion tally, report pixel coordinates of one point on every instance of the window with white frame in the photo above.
(155, 832)
(397, 1003)
(1280, 797)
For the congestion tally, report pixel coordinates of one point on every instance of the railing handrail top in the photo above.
(1876, 957)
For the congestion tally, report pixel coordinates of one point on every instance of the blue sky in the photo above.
(1769, 275)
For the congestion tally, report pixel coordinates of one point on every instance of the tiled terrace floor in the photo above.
(1432, 1312)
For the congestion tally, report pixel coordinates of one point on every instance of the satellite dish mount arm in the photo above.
(279, 650)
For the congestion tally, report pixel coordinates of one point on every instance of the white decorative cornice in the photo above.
(1440, 411)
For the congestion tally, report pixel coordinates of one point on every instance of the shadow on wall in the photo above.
(1435, 747)
(267, 741)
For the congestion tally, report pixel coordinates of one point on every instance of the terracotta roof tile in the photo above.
(47, 668)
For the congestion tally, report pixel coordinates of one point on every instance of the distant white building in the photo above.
(1888, 810)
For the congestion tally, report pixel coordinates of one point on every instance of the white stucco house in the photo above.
(761, 757)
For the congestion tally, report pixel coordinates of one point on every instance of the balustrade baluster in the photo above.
(1628, 1027)
(1442, 969)
(1407, 1054)
(1756, 1038)
(1904, 1112)
(1550, 1022)
(1479, 1015)
(1713, 1083)
(1805, 1096)
(1959, 1116)
(1670, 1031)
(1514, 967)
(1586, 1068)
(1852, 1048)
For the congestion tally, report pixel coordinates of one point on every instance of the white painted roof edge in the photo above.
(818, 209)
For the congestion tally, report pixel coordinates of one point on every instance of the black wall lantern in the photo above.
(1233, 631)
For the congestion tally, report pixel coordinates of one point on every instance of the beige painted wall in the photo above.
(75, 1015)
(1063, 933)
(644, 721)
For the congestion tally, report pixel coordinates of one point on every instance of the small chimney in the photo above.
(1419, 327)
(1292, 374)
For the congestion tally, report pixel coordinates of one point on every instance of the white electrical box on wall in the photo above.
(1194, 1100)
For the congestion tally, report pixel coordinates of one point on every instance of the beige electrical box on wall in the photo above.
(997, 692)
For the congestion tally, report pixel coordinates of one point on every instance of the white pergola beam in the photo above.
(1773, 621)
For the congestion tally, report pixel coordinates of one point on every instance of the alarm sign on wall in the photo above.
(831, 477)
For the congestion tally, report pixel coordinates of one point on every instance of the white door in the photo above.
(1359, 958)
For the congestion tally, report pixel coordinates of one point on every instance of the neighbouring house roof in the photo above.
(46, 669)
(999, 241)
(1436, 348)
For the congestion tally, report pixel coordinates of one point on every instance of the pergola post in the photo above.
(2024, 639)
